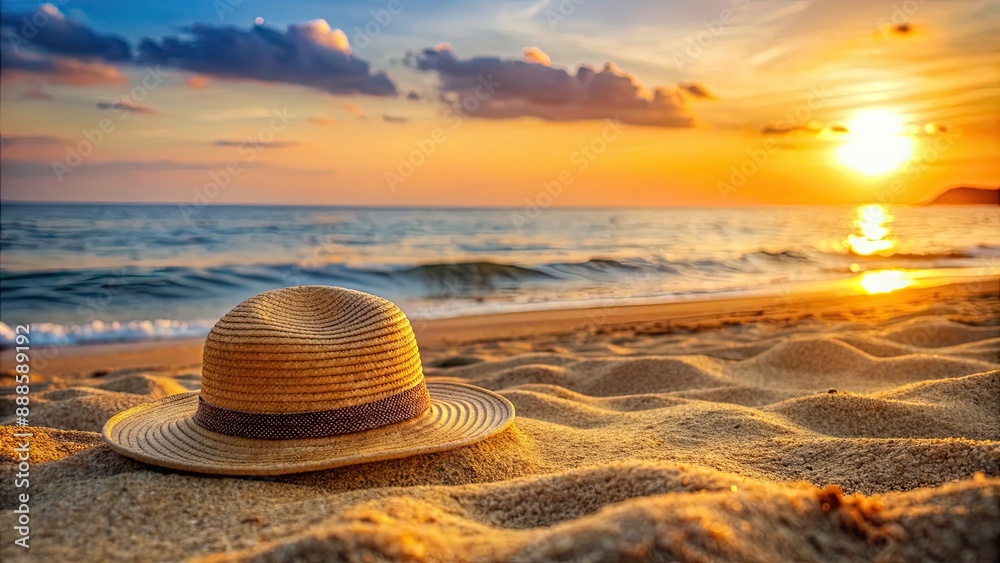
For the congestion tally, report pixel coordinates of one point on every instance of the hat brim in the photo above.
(163, 433)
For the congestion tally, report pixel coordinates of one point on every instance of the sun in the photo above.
(876, 142)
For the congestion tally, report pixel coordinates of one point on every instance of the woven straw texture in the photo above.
(290, 353)
(322, 347)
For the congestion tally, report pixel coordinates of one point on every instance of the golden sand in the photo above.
(860, 431)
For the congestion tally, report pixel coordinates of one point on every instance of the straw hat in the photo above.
(302, 379)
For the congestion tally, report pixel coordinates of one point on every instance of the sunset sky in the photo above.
(561, 102)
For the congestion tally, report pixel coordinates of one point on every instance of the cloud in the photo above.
(812, 127)
(394, 119)
(197, 82)
(310, 54)
(22, 65)
(321, 120)
(355, 110)
(44, 44)
(413, 96)
(535, 55)
(491, 87)
(17, 168)
(696, 89)
(28, 140)
(46, 29)
(35, 93)
(903, 28)
(781, 129)
(238, 113)
(272, 144)
(126, 107)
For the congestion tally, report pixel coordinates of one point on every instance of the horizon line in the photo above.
(445, 206)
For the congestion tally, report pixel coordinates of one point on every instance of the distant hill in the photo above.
(968, 196)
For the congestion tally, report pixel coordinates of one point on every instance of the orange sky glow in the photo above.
(801, 102)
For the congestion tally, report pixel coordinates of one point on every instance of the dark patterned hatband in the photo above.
(316, 424)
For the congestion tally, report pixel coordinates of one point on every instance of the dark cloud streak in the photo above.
(272, 144)
(697, 89)
(46, 29)
(125, 107)
(16, 64)
(310, 54)
(26, 140)
(534, 89)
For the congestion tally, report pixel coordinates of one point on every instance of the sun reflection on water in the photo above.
(872, 224)
(884, 281)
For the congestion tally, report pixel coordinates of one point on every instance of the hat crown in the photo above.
(307, 349)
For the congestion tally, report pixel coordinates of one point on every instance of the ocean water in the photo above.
(83, 273)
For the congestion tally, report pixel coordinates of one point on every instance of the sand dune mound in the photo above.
(579, 492)
(543, 406)
(920, 367)
(731, 352)
(531, 373)
(814, 356)
(973, 400)
(508, 455)
(623, 403)
(848, 415)
(144, 384)
(736, 394)
(986, 350)
(810, 365)
(718, 427)
(873, 465)
(80, 409)
(975, 390)
(483, 369)
(876, 346)
(983, 350)
(607, 378)
(938, 333)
